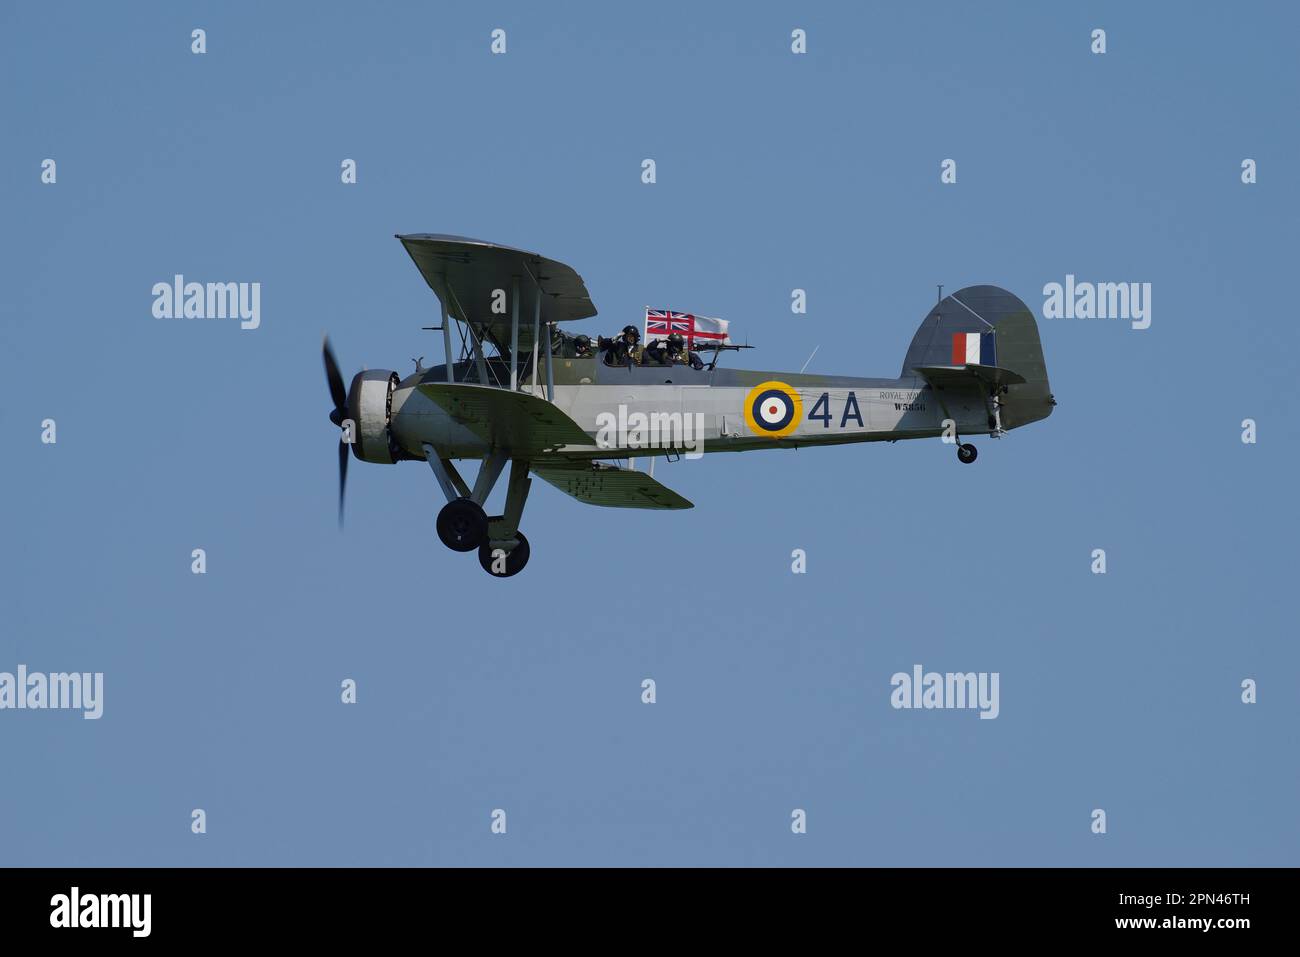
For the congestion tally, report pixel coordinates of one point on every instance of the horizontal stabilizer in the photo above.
(517, 422)
(954, 377)
(599, 484)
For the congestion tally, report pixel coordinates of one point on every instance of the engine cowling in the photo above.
(370, 407)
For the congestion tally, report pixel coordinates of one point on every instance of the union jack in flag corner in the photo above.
(660, 323)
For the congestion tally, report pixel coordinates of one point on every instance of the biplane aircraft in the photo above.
(521, 391)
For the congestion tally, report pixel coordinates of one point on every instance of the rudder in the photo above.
(982, 323)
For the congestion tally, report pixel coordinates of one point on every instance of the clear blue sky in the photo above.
(775, 171)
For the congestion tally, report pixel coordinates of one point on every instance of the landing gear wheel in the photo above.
(966, 453)
(515, 559)
(462, 525)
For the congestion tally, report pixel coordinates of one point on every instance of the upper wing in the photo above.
(599, 484)
(520, 423)
(465, 273)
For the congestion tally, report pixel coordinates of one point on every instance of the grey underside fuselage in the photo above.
(843, 408)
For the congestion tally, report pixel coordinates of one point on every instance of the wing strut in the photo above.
(476, 336)
(550, 380)
(514, 333)
(446, 342)
(537, 328)
(537, 325)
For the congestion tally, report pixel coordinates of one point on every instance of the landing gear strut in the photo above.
(966, 453)
(463, 526)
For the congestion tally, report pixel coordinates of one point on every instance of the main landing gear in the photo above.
(966, 453)
(498, 562)
(463, 525)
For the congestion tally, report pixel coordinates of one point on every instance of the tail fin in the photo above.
(987, 326)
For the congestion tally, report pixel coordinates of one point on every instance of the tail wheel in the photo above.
(499, 563)
(462, 525)
(966, 453)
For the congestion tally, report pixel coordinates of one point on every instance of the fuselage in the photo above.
(711, 404)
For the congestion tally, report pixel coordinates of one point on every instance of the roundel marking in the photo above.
(773, 409)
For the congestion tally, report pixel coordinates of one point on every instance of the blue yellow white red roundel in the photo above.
(773, 409)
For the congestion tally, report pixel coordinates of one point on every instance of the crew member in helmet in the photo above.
(582, 347)
(657, 352)
(614, 350)
(632, 344)
(679, 353)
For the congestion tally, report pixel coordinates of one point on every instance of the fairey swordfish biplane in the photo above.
(521, 391)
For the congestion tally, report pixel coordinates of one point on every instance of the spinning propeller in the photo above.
(339, 396)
